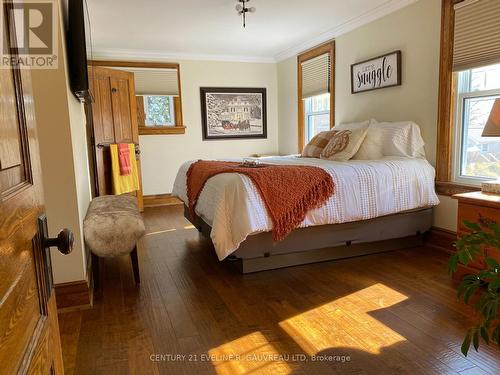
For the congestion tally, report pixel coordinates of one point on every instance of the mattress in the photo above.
(364, 189)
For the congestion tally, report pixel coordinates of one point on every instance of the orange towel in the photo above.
(288, 191)
(124, 159)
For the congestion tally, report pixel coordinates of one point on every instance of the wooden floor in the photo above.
(394, 313)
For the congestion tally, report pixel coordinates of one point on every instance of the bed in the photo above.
(378, 205)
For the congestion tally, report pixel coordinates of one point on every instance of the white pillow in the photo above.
(344, 144)
(352, 126)
(392, 139)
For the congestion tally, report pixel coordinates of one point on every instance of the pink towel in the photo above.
(124, 159)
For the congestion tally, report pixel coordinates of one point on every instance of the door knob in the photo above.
(64, 241)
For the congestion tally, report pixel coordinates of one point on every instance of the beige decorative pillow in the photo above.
(344, 144)
(316, 145)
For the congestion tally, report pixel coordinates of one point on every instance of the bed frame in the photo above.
(327, 242)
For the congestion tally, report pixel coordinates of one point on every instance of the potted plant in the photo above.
(482, 289)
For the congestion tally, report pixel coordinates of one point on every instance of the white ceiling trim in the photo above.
(350, 25)
(137, 54)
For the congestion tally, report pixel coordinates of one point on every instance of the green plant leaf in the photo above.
(495, 227)
(495, 336)
(472, 226)
(466, 343)
(469, 293)
(487, 274)
(472, 247)
(468, 286)
(475, 339)
(492, 263)
(484, 335)
(463, 257)
(453, 263)
(494, 285)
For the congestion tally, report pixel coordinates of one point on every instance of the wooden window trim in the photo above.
(179, 127)
(159, 130)
(317, 51)
(446, 107)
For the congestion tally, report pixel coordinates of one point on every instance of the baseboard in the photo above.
(75, 295)
(160, 200)
(441, 239)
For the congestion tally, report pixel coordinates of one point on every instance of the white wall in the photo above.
(415, 30)
(162, 155)
(445, 215)
(287, 106)
(63, 155)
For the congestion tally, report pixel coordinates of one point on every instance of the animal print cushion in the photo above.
(344, 144)
(113, 225)
(316, 145)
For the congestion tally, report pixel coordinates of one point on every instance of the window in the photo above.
(157, 93)
(316, 88)
(468, 83)
(317, 115)
(159, 110)
(477, 158)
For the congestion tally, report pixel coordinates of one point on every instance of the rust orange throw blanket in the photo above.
(288, 191)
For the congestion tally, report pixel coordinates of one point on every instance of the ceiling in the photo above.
(211, 29)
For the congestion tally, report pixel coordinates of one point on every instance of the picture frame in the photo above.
(376, 73)
(233, 113)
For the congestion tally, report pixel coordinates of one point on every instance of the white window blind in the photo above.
(477, 30)
(154, 81)
(316, 76)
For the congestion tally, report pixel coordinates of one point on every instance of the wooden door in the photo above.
(114, 120)
(29, 331)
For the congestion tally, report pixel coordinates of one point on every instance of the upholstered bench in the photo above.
(112, 227)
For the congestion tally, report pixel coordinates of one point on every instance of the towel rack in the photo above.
(105, 145)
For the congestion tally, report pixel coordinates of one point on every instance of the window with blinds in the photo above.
(316, 91)
(316, 76)
(476, 63)
(477, 30)
(157, 94)
(155, 81)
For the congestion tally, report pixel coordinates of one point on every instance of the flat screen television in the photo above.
(77, 50)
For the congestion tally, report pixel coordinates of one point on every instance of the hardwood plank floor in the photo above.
(392, 313)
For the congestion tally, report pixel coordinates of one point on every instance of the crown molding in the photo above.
(137, 54)
(354, 23)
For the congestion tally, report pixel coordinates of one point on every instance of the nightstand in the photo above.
(472, 207)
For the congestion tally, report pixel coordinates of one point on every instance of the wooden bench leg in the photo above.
(95, 270)
(135, 265)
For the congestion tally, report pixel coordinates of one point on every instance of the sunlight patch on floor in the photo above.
(341, 329)
(160, 232)
(190, 227)
(248, 354)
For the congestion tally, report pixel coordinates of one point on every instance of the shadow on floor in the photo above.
(390, 313)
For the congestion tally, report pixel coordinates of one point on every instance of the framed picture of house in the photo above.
(229, 113)
(376, 73)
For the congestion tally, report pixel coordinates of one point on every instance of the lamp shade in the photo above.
(492, 127)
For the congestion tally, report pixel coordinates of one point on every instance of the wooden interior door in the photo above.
(29, 331)
(114, 114)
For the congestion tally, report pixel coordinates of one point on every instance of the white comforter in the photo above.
(364, 189)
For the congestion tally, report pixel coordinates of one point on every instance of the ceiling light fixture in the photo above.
(243, 10)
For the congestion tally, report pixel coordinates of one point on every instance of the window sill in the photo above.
(159, 130)
(452, 188)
